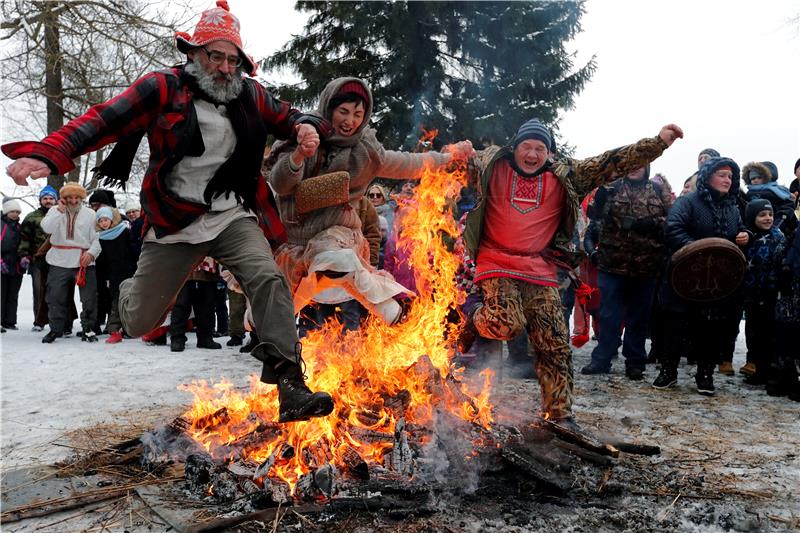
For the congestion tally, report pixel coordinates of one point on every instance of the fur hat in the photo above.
(533, 129)
(47, 190)
(12, 205)
(216, 24)
(754, 207)
(102, 196)
(72, 188)
(754, 170)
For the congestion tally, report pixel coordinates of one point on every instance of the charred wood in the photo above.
(583, 453)
(353, 464)
(581, 439)
(637, 449)
(545, 478)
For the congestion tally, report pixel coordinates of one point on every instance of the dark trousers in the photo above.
(759, 331)
(163, 268)
(197, 296)
(238, 307)
(60, 286)
(38, 270)
(104, 299)
(708, 339)
(625, 300)
(349, 314)
(9, 298)
(221, 308)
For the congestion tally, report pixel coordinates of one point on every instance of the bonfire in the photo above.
(381, 377)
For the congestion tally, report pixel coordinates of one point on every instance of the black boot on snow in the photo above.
(297, 402)
(51, 337)
(705, 381)
(89, 336)
(667, 378)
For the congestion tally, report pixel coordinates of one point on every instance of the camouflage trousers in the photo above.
(509, 306)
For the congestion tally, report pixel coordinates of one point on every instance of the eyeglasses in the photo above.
(218, 57)
(374, 195)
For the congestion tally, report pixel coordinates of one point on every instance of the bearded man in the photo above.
(203, 194)
(74, 245)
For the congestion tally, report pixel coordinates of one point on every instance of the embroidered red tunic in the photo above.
(522, 216)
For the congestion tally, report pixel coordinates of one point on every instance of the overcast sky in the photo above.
(727, 72)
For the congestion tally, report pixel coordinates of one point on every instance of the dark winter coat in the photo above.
(578, 177)
(787, 308)
(119, 261)
(704, 213)
(11, 231)
(782, 205)
(765, 253)
(137, 235)
(33, 236)
(698, 215)
(632, 215)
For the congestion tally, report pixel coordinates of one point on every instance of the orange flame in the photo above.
(376, 374)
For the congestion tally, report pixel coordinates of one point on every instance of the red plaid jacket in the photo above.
(159, 104)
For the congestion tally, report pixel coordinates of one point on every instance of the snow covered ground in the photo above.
(741, 443)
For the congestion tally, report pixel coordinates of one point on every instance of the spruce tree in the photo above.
(473, 70)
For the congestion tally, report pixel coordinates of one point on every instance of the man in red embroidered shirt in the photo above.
(203, 194)
(521, 227)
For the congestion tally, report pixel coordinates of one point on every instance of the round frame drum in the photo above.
(707, 270)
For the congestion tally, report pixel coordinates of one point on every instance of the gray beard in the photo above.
(221, 92)
(73, 210)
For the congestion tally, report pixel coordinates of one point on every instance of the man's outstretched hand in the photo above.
(669, 133)
(23, 167)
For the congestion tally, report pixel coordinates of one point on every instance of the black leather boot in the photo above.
(297, 402)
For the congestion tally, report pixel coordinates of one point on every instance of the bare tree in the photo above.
(65, 56)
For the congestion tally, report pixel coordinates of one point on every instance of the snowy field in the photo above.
(741, 444)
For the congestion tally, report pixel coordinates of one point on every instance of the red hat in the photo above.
(356, 88)
(216, 24)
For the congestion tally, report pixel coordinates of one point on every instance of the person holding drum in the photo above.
(705, 227)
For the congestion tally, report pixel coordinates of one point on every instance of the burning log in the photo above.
(207, 478)
(400, 459)
(453, 386)
(581, 439)
(398, 403)
(369, 418)
(209, 421)
(430, 376)
(317, 454)
(354, 464)
(369, 436)
(253, 440)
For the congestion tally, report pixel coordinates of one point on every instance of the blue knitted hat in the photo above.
(533, 129)
(47, 190)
